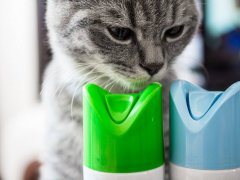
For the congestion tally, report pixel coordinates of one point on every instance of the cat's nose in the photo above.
(152, 68)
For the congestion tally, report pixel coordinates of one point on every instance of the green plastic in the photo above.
(119, 106)
(123, 133)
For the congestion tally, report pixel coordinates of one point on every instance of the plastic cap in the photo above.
(123, 133)
(200, 102)
(205, 127)
(119, 106)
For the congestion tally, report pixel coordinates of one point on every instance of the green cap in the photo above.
(123, 133)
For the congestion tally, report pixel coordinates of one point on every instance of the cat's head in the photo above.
(133, 42)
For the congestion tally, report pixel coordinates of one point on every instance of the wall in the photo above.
(223, 16)
(18, 62)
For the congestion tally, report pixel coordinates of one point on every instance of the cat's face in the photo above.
(130, 41)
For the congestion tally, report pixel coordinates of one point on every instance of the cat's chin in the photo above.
(133, 85)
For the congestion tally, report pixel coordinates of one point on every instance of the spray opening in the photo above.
(200, 102)
(119, 106)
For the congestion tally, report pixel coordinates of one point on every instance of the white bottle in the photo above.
(205, 133)
(123, 135)
(156, 174)
(183, 173)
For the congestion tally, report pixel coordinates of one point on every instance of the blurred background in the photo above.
(212, 61)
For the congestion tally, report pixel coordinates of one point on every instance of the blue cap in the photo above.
(204, 127)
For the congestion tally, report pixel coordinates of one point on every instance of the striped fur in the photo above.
(84, 51)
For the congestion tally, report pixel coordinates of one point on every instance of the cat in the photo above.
(121, 45)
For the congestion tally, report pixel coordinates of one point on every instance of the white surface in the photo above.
(156, 174)
(191, 58)
(18, 78)
(218, 23)
(22, 142)
(18, 57)
(180, 173)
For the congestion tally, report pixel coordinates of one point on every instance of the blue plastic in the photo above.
(204, 127)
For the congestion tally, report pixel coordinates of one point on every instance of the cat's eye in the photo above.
(120, 34)
(174, 33)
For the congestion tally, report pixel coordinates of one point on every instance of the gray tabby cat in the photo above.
(121, 45)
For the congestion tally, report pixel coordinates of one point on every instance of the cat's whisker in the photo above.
(90, 72)
(65, 86)
(125, 88)
(115, 83)
(80, 86)
(108, 83)
(128, 88)
(44, 85)
(93, 66)
(85, 66)
(72, 101)
(111, 83)
(96, 78)
(51, 76)
(88, 64)
(104, 84)
(83, 69)
(71, 82)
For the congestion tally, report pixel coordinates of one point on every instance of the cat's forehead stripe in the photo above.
(143, 13)
(131, 13)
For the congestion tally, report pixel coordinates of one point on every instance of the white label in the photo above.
(156, 174)
(180, 173)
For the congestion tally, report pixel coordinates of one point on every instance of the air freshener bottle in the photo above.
(204, 133)
(123, 134)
